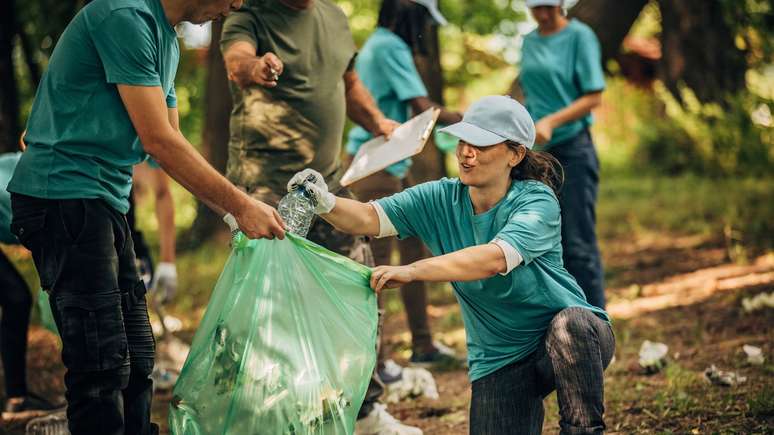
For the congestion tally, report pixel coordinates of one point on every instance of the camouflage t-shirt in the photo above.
(278, 131)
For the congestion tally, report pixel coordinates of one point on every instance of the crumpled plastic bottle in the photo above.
(297, 209)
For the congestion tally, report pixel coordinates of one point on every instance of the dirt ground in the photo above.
(680, 291)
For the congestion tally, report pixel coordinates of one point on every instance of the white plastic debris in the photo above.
(391, 370)
(171, 323)
(758, 302)
(723, 378)
(415, 382)
(653, 356)
(754, 354)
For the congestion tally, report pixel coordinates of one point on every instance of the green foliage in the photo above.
(653, 131)
(738, 210)
(762, 405)
(753, 24)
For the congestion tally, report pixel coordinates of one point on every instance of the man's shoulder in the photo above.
(98, 11)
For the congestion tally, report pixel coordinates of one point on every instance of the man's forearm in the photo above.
(361, 107)
(241, 69)
(184, 164)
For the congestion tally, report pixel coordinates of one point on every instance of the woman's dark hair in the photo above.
(407, 20)
(540, 166)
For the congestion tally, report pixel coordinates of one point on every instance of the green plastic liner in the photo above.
(287, 344)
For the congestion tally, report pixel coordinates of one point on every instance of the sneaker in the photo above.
(29, 407)
(380, 422)
(443, 357)
(52, 424)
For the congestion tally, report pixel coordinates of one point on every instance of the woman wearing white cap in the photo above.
(495, 234)
(561, 79)
(386, 66)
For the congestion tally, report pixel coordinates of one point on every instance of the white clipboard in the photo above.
(407, 140)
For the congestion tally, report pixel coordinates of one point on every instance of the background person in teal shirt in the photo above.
(386, 67)
(561, 80)
(495, 234)
(105, 101)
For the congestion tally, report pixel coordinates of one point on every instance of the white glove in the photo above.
(165, 281)
(315, 185)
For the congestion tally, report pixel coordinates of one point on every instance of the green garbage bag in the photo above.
(46, 317)
(287, 344)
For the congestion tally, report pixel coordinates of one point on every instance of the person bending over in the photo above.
(495, 234)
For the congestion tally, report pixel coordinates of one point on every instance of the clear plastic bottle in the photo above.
(297, 210)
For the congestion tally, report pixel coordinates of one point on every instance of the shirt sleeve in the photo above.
(402, 74)
(410, 211)
(239, 26)
(534, 228)
(127, 46)
(588, 63)
(172, 98)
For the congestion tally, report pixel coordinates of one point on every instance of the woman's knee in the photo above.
(568, 326)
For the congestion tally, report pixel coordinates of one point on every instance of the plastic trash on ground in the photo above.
(653, 356)
(754, 355)
(723, 378)
(286, 346)
(415, 382)
(758, 302)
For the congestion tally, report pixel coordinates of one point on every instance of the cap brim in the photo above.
(473, 135)
(437, 17)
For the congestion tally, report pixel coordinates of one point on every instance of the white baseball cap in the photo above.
(492, 120)
(432, 7)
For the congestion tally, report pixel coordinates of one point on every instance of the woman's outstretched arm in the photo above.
(469, 264)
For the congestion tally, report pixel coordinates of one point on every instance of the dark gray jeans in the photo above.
(577, 348)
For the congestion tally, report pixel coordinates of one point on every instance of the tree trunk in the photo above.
(429, 164)
(9, 97)
(611, 21)
(699, 50)
(215, 135)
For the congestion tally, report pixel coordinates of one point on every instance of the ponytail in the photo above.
(538, 166)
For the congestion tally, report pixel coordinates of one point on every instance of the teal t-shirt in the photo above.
(80, 140)
(505, 316)
(558, 69)
(386, 67)
(8, 163)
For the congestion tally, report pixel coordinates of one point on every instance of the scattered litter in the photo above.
(391, 372)
(172, 323)
(163, 378)
(653, 356)
(723, 378)
(754, 354)
(415, 382)
(758, 302)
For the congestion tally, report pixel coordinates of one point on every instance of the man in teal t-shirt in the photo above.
(105, 101)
